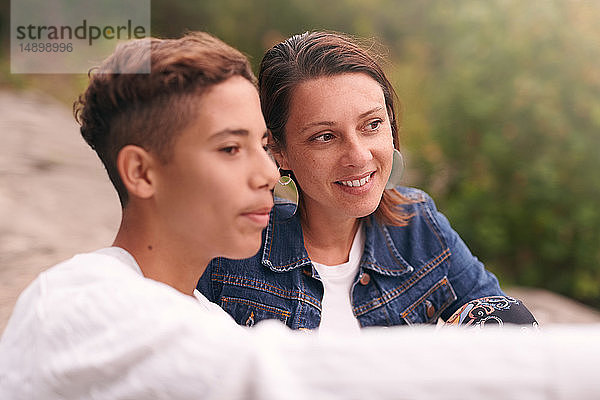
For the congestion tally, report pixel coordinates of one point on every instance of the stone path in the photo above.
(55, 201)
(54, 198)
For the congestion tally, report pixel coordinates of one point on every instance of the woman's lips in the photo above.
(357, 182)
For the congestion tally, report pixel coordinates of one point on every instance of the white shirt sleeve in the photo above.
(149, 342)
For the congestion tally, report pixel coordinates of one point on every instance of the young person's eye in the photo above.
(231, 150)
(323, 138)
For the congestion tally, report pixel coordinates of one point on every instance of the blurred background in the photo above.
(501, 114)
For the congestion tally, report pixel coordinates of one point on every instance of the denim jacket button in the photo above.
(430, 309)
(365, 278)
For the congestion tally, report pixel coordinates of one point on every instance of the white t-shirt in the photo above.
(93, 327)
(336, 308)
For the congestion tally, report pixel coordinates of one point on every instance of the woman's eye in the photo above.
(374, 125)
(326, 137)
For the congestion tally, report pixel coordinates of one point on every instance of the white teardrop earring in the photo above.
(285, 193)
(397, 171)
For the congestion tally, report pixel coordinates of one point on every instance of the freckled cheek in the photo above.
(386, 158)
(310, 170)
(384, 152)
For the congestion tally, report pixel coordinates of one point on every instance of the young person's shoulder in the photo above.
(96, 287)
(92, 268)
(95, 312)
(76, 287)
(91, 293)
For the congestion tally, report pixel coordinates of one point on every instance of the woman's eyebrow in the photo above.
(319, 123)
(331, 123)
(371, 111)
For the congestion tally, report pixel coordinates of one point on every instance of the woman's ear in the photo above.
(277, 152)
(135, 165)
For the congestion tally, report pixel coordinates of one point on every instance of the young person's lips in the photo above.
(259, 216)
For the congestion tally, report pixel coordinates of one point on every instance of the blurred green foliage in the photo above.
(515, 120)
(501, 113)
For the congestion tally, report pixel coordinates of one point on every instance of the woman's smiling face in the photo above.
(338, 144)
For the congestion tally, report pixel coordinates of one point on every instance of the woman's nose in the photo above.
(356, 153)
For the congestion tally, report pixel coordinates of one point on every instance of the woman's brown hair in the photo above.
(316, 54)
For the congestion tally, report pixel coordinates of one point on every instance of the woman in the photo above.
(355, 253)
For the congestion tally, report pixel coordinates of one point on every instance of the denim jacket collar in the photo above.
(281, 255)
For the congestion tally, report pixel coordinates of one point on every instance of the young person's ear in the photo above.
(277, 152)
(134, 165)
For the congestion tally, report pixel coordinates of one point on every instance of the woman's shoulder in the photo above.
(421, 213)
(414, 199)
(424, 217)
(425, 232)
(412, 193)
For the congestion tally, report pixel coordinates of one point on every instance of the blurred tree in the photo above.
(515, 119)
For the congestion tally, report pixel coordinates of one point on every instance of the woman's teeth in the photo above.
(356, 182)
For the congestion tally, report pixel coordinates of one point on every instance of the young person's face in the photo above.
(339, 144)
(214, 194)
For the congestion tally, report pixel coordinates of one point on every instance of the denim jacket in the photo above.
(411, 274)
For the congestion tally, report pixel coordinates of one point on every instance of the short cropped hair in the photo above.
(151, 109)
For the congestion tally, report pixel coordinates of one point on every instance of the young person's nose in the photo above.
(265, 172)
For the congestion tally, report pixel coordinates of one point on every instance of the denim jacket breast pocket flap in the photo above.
(427, 308)
(247, 312)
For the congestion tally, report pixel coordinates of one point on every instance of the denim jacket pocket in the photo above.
(247, 312)
(428, 307)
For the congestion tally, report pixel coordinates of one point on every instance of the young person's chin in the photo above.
(246, 249)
